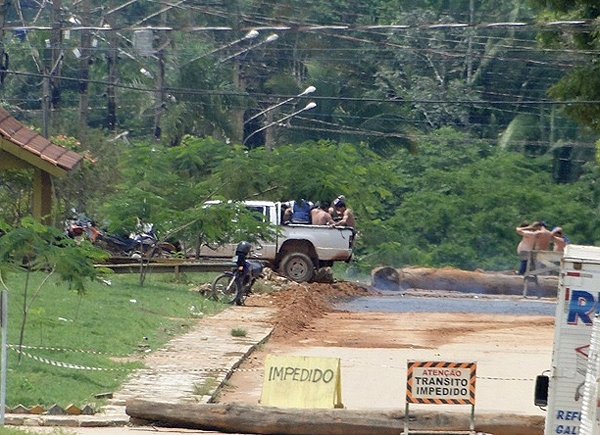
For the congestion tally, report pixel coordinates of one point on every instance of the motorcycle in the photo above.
(233, 287)
(143, 243)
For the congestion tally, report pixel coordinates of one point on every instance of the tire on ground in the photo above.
(298, 267)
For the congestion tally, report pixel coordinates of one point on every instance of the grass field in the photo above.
(77, 346)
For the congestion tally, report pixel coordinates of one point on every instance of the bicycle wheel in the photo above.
(225, 288)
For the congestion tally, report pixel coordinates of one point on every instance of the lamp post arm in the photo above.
(307, 91)
(250, 35)
(309, 106)
(271, 38)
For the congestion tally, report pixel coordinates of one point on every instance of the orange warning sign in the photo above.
(437, 382)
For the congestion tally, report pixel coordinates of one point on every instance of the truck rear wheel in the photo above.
(297, 267)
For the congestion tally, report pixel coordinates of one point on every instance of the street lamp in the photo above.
(309, 106)
(252, 34)
(270, 38)
(307, 91)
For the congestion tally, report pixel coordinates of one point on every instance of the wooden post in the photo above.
(42, 196)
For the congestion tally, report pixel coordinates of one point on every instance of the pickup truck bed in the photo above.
(299, 250)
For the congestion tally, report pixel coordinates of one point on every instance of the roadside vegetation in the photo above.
(78, 345)
(455, 201)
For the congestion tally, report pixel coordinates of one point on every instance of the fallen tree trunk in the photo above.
(387, 278)
(268, 420)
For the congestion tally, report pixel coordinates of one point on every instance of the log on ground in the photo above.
(451, 279)
(268, 420)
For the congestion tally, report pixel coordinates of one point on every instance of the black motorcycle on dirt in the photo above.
(234, 287)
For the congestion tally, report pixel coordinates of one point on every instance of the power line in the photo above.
(581, 24)
(349, 32)
(191, 91)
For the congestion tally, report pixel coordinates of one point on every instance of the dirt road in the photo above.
(374, 349)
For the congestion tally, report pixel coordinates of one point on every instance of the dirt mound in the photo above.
(300, 303)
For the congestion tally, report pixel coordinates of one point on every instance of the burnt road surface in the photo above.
(448, 302)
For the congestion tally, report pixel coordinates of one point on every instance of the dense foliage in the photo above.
(580, 86)
(433, 119)
(454, 203)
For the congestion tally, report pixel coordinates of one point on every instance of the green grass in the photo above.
(107, 328)
(238, 332)
(206, 387)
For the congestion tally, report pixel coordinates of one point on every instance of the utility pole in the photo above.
(3, 55)
(159, 80)
(239, 83)
(47, 96)
(269, 132)
(51, 79)
(159, 83)
(84, 66)
(46, 102)
(111, 60)
(470, 43)
(237, 114)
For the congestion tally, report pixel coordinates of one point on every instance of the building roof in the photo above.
(25, 144)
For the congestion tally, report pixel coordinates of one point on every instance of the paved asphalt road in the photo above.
(395, 303)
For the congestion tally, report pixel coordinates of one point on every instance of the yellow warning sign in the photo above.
(302, 382)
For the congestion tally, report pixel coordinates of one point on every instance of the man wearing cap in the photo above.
(332, 210)
(347, 219)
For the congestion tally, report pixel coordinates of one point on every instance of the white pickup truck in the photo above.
(298, 250)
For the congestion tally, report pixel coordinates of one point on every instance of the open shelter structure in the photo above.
(23, 148)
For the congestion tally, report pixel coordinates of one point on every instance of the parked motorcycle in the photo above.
(143, 243)
(235, 286)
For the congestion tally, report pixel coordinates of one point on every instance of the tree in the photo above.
(580, 84)
(463, 213)
(33, 247)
